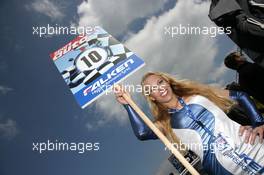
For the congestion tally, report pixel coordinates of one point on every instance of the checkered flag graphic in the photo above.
(116, 52)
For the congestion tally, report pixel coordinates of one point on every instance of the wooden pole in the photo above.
(159, 134)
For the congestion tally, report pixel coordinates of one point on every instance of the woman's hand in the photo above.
(119, 92)
(251, 134)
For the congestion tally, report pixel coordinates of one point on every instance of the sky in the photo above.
(36, 104)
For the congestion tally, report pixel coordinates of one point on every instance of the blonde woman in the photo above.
(196, 113)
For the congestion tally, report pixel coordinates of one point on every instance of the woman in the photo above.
(196, 113)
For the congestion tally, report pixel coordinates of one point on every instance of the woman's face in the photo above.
(158, 89)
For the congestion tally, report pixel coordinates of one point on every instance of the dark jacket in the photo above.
(251, 80)
(247, 24)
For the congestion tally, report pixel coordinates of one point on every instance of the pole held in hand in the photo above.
(159, 134)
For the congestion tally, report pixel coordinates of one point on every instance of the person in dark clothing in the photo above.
(245, 19)
(251, 75)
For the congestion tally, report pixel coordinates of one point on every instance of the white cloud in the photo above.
(4, 90)
(190, 56)
(115, 15)
(48, 8)
(8, 129)
(112, 110)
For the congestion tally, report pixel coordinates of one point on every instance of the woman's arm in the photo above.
(141, 130)
(245, 102)
(257, 120)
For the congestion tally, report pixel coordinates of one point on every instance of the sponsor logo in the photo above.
(102, 81)
(241, 159)
(68, 47)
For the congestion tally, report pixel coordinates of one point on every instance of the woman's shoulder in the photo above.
(189, 98)
(196, 98)
(220, 92)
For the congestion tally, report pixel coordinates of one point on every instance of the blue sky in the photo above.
(36, 105)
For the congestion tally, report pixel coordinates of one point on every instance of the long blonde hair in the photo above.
(181, 88)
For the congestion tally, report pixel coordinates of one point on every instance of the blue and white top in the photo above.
(207, 130)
